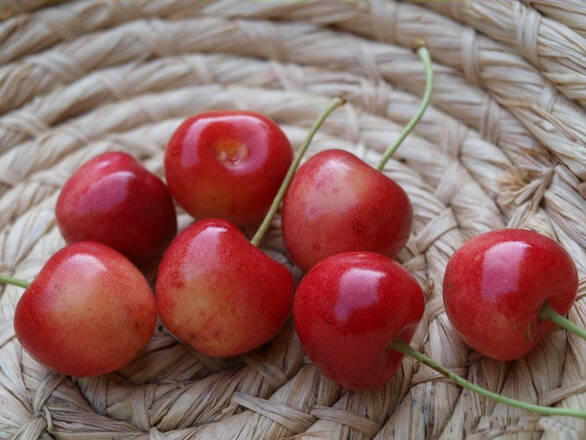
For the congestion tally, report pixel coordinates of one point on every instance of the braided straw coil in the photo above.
(569, 12)
(503, 144)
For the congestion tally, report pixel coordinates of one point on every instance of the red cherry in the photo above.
(219, 293)
(88, 312)
(337, 203)
(113, 200)
(227, 164)
(349, 308)
(497, 282)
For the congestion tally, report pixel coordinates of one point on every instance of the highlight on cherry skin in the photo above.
(349, 308)
(112, 199)
(227, 164)
(502, 288)
(88, 312)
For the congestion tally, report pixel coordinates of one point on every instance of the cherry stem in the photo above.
(544, 410)
(426, 58)
(263, 228)
(14, 281)
(546, 312)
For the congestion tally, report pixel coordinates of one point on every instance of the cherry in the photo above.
(500, 285)
(88, 312)
(227, 164)
(337, 203)
(349, 308)
(113, 200)
(219, 293)
(355, 313)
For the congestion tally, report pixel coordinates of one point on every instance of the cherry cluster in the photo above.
(91, 310)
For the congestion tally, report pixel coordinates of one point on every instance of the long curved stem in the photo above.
(544, 410)
(426, 58)
(546, 312)
(14, 281)
(260, 233)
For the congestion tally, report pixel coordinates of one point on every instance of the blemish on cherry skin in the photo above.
(176, 280)
(316, 247)
(178, 285)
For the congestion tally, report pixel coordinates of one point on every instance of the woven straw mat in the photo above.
(503, 144)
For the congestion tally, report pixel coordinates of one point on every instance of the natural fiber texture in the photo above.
(8, 8)
(500, 147)
(568, 12)
(512, 81)
(546, 44)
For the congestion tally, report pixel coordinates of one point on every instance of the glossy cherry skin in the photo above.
(219, 293)
(228, 165)
(349, 308)
(113, 200)
(337, 203)
(88, 312)
(495, 284)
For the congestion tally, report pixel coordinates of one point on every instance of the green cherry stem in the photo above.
(260, 233)
(421, 49)
(544, 410)
(14, 281)
(546, 312)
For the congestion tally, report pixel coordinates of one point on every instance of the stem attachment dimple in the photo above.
(544, 410)
(14, 281)
(546, 312)
(417, 44)
(421, 49)
(263, 228)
